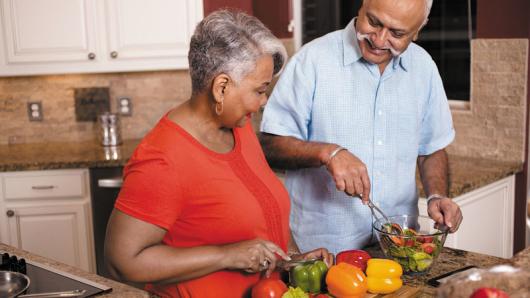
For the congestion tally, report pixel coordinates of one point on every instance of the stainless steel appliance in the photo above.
(105, 185)
(45, 279)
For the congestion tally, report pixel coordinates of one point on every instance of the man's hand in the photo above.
(350, 174)
(445, 211)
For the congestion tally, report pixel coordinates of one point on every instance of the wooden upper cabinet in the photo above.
(84, 36)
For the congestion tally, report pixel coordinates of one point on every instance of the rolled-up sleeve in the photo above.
(288, 111)
(437, 130)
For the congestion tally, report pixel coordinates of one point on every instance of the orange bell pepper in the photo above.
(346, 281)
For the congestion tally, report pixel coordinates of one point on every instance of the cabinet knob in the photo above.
(91, 56)
(10, 213)
(114, 54)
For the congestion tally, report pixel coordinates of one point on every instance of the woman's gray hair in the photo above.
(230, 42)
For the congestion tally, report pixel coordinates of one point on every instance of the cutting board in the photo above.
(404, 291)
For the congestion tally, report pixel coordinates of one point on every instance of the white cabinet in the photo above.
(47, 31)
(81, 36)
(48, 213)
(487, 226)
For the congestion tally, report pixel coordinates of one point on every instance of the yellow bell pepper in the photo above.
(383, 276)
(346, 281)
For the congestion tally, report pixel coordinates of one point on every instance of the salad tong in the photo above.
(376, 210)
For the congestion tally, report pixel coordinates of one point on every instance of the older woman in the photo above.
(201, 213)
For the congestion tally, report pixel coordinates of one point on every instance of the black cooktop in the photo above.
(46, 279)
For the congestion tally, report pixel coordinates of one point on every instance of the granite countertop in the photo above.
(67, 155)
(118, 289)
(466, 174)
(449, 260)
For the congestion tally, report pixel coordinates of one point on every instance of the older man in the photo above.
(352, 115)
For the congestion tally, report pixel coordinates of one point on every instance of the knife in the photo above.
(293, 263)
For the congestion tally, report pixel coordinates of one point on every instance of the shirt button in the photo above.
(379, 142)
(379, 112)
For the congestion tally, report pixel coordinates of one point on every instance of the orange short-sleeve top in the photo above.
(202, 197)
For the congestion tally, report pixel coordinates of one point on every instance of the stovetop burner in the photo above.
(46, 279)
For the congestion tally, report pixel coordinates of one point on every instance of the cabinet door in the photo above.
(487, 227)
(48, 30)
(151, 30)
(57, 232)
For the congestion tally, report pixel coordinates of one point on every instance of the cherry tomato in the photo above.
(489, 293)
(428, 247)
(355, 257)
(425, 239)
(409, 242)
(269, 288)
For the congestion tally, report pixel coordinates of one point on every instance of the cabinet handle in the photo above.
(114, 54)
(110, 183)
(91, 56)
(41, 187)
(10, 213)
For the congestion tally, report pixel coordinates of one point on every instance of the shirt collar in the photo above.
(402, 60)
(350, 44)
(352, 52)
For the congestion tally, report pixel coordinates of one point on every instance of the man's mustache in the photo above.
(388, 47)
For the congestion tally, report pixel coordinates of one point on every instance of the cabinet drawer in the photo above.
(43, 186)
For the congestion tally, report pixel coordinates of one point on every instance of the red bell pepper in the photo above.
(356, 257)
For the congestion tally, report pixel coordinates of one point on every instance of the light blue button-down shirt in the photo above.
(329, 93)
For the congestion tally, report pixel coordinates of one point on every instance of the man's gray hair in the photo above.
(230, 42)
(428, 6)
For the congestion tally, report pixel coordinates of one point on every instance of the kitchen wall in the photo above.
(275, 14)
(152, 94)
(495, 125)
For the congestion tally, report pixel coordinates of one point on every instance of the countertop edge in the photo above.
(118, 289)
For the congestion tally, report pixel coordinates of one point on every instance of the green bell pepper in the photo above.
(309, 277)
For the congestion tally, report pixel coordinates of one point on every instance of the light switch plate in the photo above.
(124, 106)
(35, 111)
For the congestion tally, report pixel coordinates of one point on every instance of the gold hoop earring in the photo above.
(219, 108)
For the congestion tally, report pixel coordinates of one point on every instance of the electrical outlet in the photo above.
(125, 106)
(35, 111)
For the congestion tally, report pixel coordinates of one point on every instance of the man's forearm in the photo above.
(434, 172)
(291, 153)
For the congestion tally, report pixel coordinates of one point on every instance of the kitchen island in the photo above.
(449, 260)
(452, 259)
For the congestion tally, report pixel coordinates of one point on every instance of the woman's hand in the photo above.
(253, 256)
(319, 253)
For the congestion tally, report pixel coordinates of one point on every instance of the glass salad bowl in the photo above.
(414, 241)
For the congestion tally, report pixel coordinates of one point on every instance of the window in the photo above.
(446, 36)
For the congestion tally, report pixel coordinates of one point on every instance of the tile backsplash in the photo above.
(493, 127)
(152, 94)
